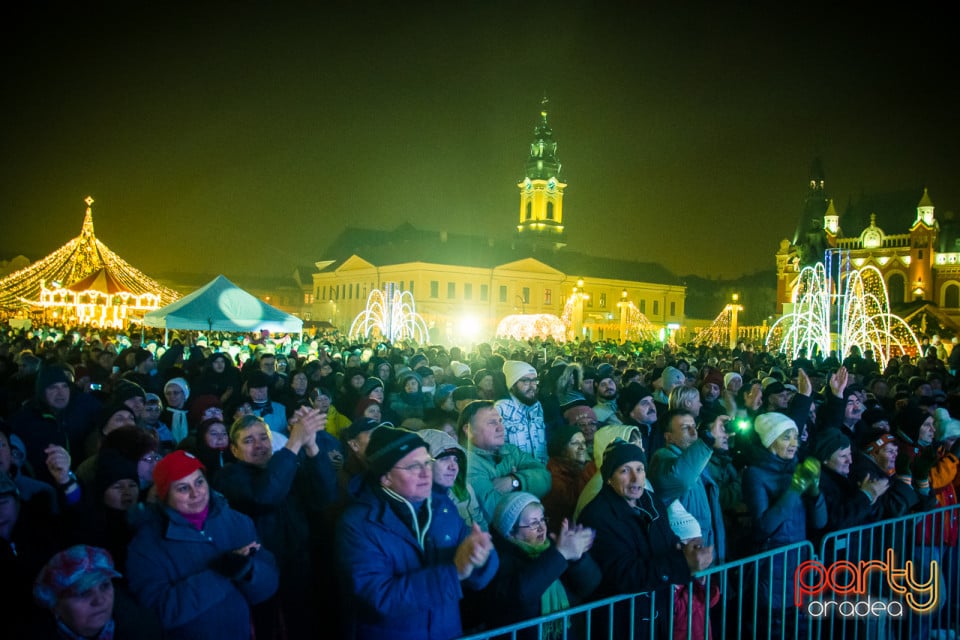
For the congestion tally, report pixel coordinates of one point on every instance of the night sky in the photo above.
(240, 138)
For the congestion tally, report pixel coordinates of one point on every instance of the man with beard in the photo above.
(606, 390)
(522, 412)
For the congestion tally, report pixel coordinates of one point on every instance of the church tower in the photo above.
(923, 239)
(541, 191)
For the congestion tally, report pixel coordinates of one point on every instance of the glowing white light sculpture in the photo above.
(390, 314)
(862, 314)
(534, 325)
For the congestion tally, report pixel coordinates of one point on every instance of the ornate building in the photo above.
(463, 285)
(899, 233)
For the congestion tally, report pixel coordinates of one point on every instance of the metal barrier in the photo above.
(886, 581)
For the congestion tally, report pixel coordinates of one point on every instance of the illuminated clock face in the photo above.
(552, 184)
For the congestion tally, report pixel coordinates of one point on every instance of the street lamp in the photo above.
(734, 309)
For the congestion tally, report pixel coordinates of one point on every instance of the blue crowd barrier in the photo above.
(892, 580)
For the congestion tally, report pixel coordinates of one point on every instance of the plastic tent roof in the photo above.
(221, 305)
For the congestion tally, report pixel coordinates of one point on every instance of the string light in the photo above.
(533, 325)
(80, 262)
(390, 314)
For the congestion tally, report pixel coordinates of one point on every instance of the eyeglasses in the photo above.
(418, 467)
(528, 381)
(150, 459)
(536, 524)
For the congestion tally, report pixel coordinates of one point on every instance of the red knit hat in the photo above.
(172, 467)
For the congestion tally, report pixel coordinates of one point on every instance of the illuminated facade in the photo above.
(919, 263)
(465, 285)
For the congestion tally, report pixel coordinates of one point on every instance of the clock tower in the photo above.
(541, 190)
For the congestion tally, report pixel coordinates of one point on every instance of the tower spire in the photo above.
(541, 191)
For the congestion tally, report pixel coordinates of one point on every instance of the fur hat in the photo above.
(513, 370)
(388, 445)
(828, 442)
(172, 467)
(509, 508)
(619, 453)
(682, 522)
(771, 425)
(72, 572)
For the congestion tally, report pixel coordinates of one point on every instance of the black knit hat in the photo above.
(388, 445)
(828, 442)
(51, 374)
(631, 395)
(113, 466)
(619, 453)
(127, 389)
(560, 438)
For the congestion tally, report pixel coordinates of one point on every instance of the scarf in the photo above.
(197, 520)
(265, 408)
(418, 528)
(554, 598)
(180, 427)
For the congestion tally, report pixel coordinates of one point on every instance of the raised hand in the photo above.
(573, 542)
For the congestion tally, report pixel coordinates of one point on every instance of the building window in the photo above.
(468, 291)
(897, 287)
(410, 288)
(503, 293)
(590, 301)
(451, 290)
(643, 306)
(547, 297)
(673, 308)
(526, 295)
(549, 211)
(529, 210)
(603, 301)
(656, 307)
(484, 292)
(434, 289)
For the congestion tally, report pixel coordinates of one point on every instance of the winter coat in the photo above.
(483, 466)
(169, 570)
(681, 475)
(516, 591)
(566, 483)
(395, 586)
(637, 552)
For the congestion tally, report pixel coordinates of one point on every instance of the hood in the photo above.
(606, 435)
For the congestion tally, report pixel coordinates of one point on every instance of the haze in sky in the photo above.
(241, 138)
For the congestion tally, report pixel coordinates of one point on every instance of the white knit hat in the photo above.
(683, 524)
(771, 425)
(513, 370)
(730, 375)
(947, 426)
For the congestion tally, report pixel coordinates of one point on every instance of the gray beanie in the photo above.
(509, 508)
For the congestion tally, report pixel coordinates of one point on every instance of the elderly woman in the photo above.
(785, 504)
(196, 562)
(76, 587)
(538, 576)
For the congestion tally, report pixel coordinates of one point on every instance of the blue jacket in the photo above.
(168, 570)
(682, 475)
(781, 515)
(395, 587)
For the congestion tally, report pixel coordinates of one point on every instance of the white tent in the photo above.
(221, 305)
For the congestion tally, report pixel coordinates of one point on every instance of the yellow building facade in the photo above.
(464, 285)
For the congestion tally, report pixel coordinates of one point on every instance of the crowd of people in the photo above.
(280, 489)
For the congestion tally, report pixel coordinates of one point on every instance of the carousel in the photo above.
(82, 283)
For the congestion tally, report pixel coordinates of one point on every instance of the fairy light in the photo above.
(863, 316)
(532, 325)
(78, 259)
(390, 314)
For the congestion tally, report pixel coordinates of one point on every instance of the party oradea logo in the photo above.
(843, 588)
